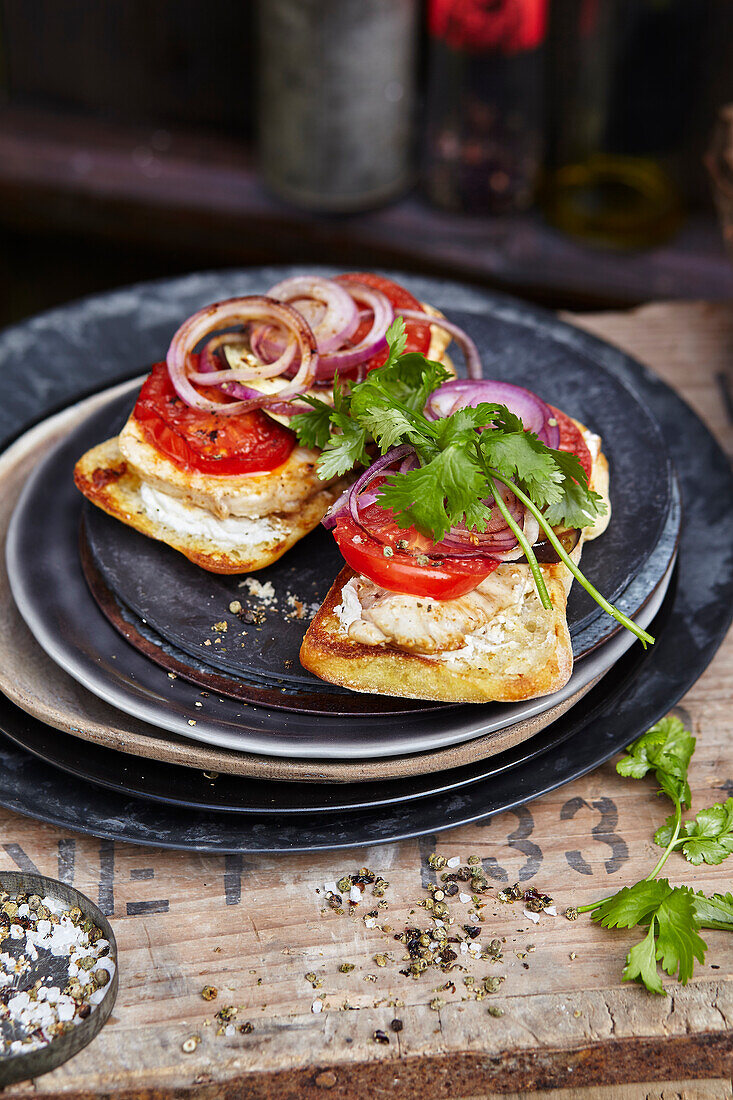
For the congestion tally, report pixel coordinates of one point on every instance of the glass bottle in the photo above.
(484, 103)
(336, 100)
(619, 87)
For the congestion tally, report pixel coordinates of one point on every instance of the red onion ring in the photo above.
(212, 375)
(232, 312)
(458, 543)
(338, 321)
(392, 456)
(460, 393)
(267, 343)
(374, 341)
(531, 530)
(498, 536)
(464, 341)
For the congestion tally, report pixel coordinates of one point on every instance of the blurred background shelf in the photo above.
(86, 203)
(128, 139)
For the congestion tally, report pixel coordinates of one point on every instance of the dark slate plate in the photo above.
(630, 698)
(194, 789)
(181, 602)
(54, 600)
(646, 590)
(134, 325)
(190, 787)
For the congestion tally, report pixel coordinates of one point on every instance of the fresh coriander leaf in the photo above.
(665, 749)
(341, 397)
(396, 336)
(407, 382)
(709, 838)
(520, 454)
(463, 423)
(641, 963)
(435, 497)
(390, 425)
(678, 941)
(313, 428)
(579, 505)
(555, 480)
(713, 911)
(344, 450)
(671, 913)
(415, 378)
(632, 904)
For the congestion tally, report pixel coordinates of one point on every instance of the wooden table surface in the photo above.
(253, 927)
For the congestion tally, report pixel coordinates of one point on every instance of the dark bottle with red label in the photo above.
(483, 137)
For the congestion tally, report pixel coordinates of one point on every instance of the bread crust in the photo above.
(105, 477)
(331, 655)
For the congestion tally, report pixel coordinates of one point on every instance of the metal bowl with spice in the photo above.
(58, 974)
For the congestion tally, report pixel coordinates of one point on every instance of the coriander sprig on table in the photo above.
(673, 915)
(460, 459)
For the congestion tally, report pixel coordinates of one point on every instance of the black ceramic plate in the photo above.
(52, 596)
(190, 787)
(611, 718)
(145, 640)
(133, 326)
(181, 602)
(48, 593)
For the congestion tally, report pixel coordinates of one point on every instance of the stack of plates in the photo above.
(141, 725)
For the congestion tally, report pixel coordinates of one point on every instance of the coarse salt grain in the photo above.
(465, 898)
(534, 917)
(50, 1006)
(551, 910)
(354, 894)
(454, 861)
(317, 1007)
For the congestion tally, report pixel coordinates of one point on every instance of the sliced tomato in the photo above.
(401, 571)
(571, 439)
(207, 442)
(418, 335)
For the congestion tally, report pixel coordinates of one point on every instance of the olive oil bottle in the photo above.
(622, 76)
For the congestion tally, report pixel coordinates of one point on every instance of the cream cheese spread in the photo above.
(189, 519)
(349, 610)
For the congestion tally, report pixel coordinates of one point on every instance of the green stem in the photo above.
(562, 553)
(670, 847)
(523, 541)
(717, 925)
(664, 857)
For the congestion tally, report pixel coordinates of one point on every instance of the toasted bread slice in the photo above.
(523, 652)
(534, 658)
(235, 544)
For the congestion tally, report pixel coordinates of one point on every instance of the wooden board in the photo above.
(185, 921)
